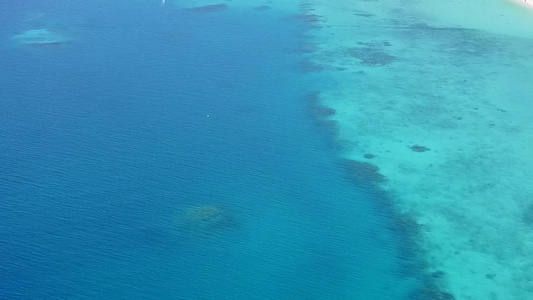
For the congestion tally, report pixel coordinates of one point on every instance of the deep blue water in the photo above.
(105, 140)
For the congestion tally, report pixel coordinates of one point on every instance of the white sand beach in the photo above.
(526, 3)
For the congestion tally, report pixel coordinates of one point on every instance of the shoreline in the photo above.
(524, 3)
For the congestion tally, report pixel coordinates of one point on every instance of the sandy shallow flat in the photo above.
(445, 108)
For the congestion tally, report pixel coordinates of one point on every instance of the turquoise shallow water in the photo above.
(439, 93)
(110, 138)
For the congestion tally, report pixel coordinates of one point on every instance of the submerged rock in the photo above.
(205, 217)
(371, 56)
(417, 148)
(262, 8)
(209, 8)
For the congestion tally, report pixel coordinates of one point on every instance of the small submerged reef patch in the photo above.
(306, 47)
(363, 14)
(209, 8)
(205, 219)
(430, 292)
(262, 8)
(527, 215)
(315, 108)
(369, 156)
(307, 66)
(320, 114)
(361, 172)
(311, 18)
(371, 56)
(308, 19)
(417, 148)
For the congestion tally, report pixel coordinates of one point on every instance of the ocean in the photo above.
(156, 152)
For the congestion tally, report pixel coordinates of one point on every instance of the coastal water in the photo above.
(109, 139)
(438, 93)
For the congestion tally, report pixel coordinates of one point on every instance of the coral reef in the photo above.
(527, 215)
(209, 8)
(306, 66)
(262, 8)
(430, 292)
(308, 18)
(311, 21)
(306, 47)
(370, 56)
(205, 217)
(361, 171)
(369, 156)
(315, 108)
(417, 148)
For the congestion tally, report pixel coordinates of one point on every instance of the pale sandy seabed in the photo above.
(461, 88)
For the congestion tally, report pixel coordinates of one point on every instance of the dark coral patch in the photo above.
(306, 66)
(312, 97)
(364, 15)
(306, 47)
(403, 224)
(309, 21)
(210, 8)
(322, 111)
(315, 108)
(369, 156)
(319, 113)
(361, 171)
(262, 8)
(370, 56)
(417, 148)
(330, 129)
(406, 227)
(311, 18)
(438, 274)
(421, 25)
(206, 220)
(527, 215)
(430, 292)
(368, 44)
